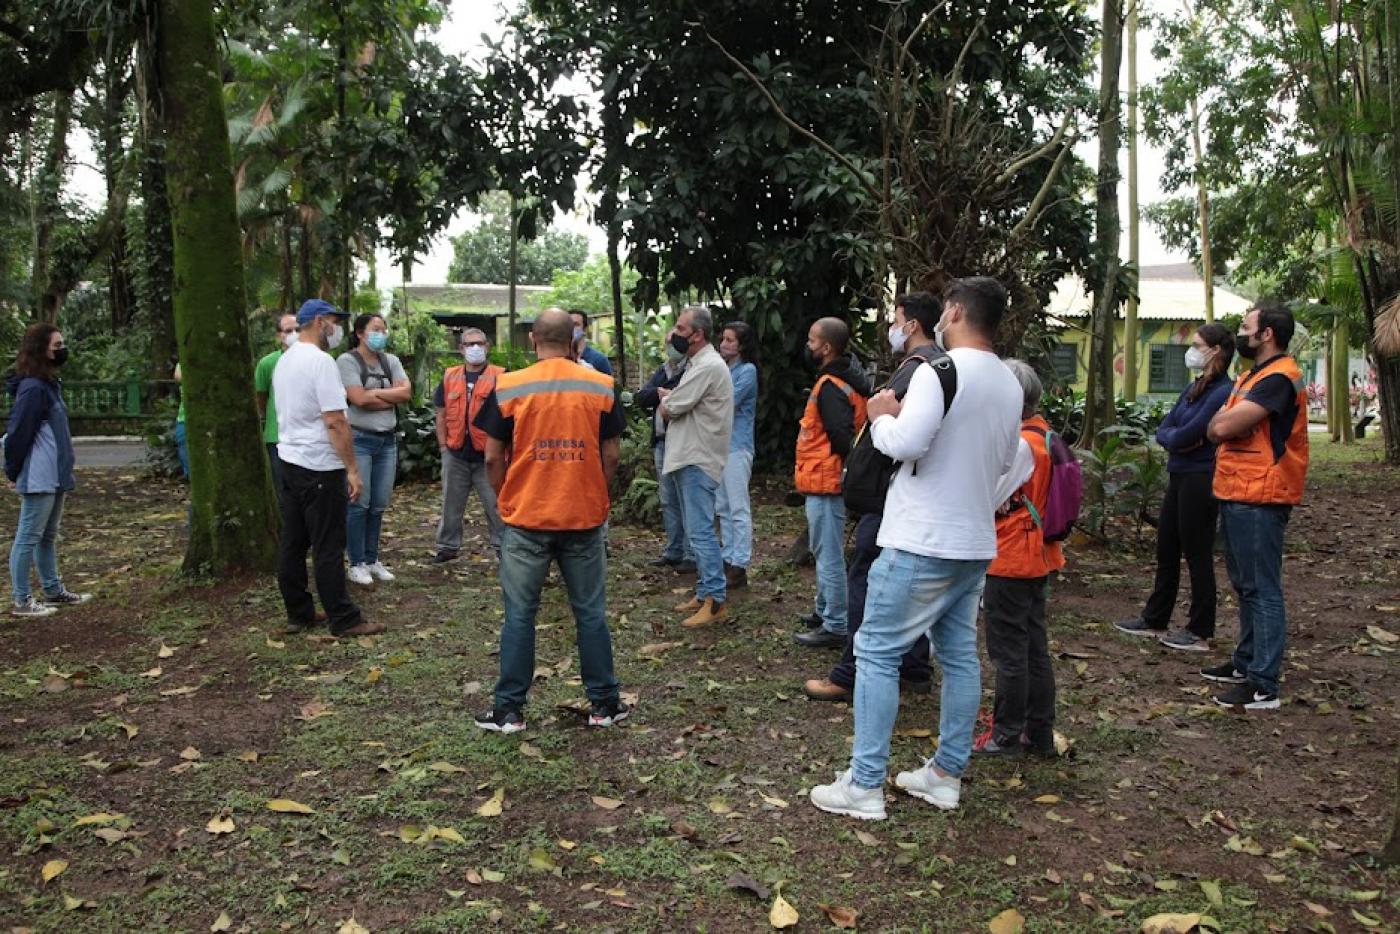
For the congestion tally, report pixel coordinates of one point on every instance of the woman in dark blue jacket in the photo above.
(1187, 524)
(39, 462)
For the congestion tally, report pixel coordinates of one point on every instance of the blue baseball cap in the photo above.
(313, 308)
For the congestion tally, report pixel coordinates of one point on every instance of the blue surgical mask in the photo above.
(377, 340)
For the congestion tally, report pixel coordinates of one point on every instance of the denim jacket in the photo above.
(38, 443)
(745, 376)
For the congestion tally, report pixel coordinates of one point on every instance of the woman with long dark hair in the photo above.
(375, 383)
(1189, 509)
(39, 462)
(739, 347)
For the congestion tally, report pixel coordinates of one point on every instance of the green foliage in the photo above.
(636, 497)
(418, 453)
(1124, 476)
(1064, 410)
(482, 254)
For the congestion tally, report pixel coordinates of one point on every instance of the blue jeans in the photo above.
(826, 532)
(668, 491)
(376, 456)
(735, 513)
(36, 544)
(583, 563)
(182, 449)
(1254, 559)
(911, 596)
(698, 506)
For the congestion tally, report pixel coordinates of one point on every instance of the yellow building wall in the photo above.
(1149, 333)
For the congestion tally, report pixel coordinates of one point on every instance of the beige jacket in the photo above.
(702, 416)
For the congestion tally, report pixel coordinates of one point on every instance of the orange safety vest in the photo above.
(1246, 470)
(555, 479)
(1022, 551)
(460, 409)
(818, 469)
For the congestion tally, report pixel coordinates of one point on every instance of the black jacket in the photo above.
(837, 414)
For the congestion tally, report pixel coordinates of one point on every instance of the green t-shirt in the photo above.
(262, 382)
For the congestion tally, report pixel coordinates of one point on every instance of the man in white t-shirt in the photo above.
(937, 538)
(319, 476)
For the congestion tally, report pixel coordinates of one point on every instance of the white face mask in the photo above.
(898, 339)
(1196, 359)
(334, 338)
(938, 332)
(289, 339)
(475, 355)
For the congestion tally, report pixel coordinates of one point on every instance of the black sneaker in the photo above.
(1137, 626)
(811, 620)
(608, 713)
(1247, 696)
(684, 567)
(66, 597)
(821, 639)
(662, 562)
(500, 721)
(442, 557)
(1224, 674)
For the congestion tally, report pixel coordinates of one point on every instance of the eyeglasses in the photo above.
(473, 343)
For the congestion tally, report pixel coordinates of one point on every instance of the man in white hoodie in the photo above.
(937, 538)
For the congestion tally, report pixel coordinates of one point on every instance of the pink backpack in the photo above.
(1066, 490)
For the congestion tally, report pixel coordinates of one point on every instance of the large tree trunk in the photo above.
(1098, 404)
(46, 210)
(232, 526)
(116, 87)
(156, 248)
(1203, 211)
(1130, 317)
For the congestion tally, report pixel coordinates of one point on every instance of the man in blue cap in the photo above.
(319, 476)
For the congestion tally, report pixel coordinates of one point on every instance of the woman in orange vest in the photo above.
(1260, 469)
(463, 445)
(1014, 598)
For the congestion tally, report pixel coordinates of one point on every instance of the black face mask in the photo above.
(1244, 348)
(60, 356)
(682, 344)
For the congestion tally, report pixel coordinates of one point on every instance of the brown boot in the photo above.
(689, 606)
(709, 612)
(825, 689)
(736, 578)
(363, 629)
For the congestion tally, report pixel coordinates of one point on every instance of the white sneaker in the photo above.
(359, 574)
(942, 791)
(841, 797)
(32, 607)
(380, 572)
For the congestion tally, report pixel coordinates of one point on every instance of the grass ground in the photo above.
(147, 732)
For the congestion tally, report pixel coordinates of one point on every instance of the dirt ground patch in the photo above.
(134, 720)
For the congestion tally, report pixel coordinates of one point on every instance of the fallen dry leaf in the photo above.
(100, 818)
(352, 927)
(1170, 923)
(493, 806)
(220, 823)
(782, 915)
(222, 923)
(190, 754)
(844, 918)
(54, 684)
(1009, 921)
(748, 884)
(288, 806)
(165, 651)
(607, 804)
(53, 869)
(152, 673)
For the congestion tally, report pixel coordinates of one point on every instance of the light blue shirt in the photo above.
(745, 376)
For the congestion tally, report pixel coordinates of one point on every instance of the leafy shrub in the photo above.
(1124, 477)
(419, 457)
(1064, 410)
(162, 454)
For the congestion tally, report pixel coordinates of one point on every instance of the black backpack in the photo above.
(868, 472)
(385, 376)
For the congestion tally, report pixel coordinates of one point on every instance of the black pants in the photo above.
(275, 463)
(914, 665)
(1019, 646)
(313, 516)
(1187, 526)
